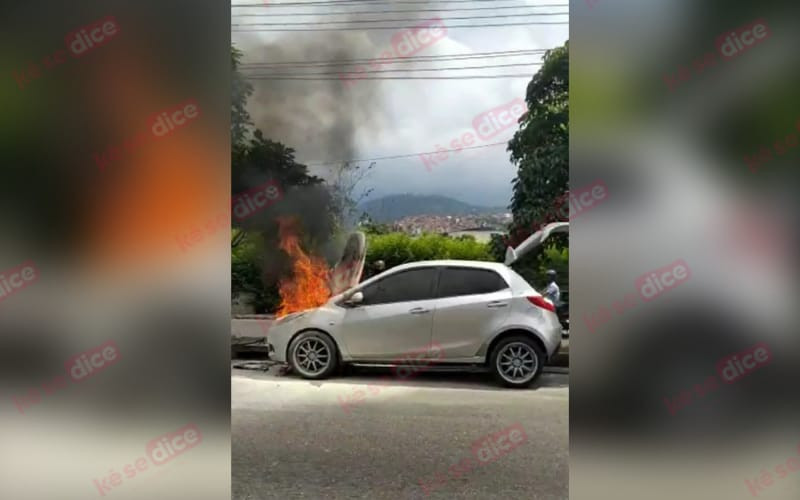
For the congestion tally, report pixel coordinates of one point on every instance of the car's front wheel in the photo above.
(517, 361)
(313, 355)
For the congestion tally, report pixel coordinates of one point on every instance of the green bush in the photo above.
(247, 274)
(399, 248)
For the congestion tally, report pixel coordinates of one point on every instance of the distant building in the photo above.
(476, 225)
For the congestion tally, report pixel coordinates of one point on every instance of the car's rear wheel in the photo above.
(313, 355)
(517, 361)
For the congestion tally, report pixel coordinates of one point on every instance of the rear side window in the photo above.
(415, 284)
(457, 281)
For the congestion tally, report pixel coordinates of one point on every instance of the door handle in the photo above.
(497, 303)
(419, 310)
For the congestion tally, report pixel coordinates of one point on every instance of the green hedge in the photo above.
(399, 248)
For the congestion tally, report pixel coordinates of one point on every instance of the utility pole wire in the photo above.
(324, 79)
(401, 59)
(378, 28)
(354, 3)
(362, 21)
(408, 70)
(318, 163)
(406, 11)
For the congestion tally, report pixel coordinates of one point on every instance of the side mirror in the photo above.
(355, 299)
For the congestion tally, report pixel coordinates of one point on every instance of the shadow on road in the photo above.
(452, 380)
(551, 378)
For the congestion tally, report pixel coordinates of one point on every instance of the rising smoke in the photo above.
(322, 120)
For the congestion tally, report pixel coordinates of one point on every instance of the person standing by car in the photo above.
(552, 291)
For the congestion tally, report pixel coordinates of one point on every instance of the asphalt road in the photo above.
(293, 438)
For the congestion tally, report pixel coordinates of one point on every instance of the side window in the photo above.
(457, 281)
(415, 284)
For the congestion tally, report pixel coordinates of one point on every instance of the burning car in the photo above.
(477, 314)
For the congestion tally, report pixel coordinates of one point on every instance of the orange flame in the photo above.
(308, 287)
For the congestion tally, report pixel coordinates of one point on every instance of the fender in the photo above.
(482, 351)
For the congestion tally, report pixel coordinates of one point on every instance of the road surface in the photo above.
(363, 436)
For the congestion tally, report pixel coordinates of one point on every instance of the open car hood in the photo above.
(534, 241)
(347, 273)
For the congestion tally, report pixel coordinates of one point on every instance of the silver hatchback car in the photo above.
(453, 313)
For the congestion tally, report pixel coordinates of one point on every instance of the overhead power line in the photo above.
(371, 28)
(406, 11)
(399, 60)
(407, 70)
(353, 3)
(463, 77)
(319, 163)
(364, 21)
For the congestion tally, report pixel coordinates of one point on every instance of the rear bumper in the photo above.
(551, 334)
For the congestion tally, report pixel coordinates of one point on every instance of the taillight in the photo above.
(542, 302)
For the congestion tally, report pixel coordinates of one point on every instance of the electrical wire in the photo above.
(462, 77)
(398, 60)
(363, 21)
(354, 3)
(409, 70)
(406, 11)
(377, 28)
(318, 163)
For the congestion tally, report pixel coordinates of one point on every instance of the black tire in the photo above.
(529, 349)
(316, 341)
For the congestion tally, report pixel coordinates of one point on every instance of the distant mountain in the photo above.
(394, 207)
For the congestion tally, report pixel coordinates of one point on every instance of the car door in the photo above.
(395, 318)
(472, 304)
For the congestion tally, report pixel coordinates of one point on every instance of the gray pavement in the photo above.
(362, 436)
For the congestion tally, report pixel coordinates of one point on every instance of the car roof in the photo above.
(517, 282)
(477, 264)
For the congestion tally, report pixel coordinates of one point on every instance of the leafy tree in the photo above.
(255, 160)
(241, 91)
(540, 149)
(541, 145)
(368, 226)
(343, 189)
(247, 274)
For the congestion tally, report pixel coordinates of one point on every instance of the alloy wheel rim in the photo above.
(517, 362)
(312, 356)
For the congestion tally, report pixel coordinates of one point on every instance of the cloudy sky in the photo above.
(327, 119)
